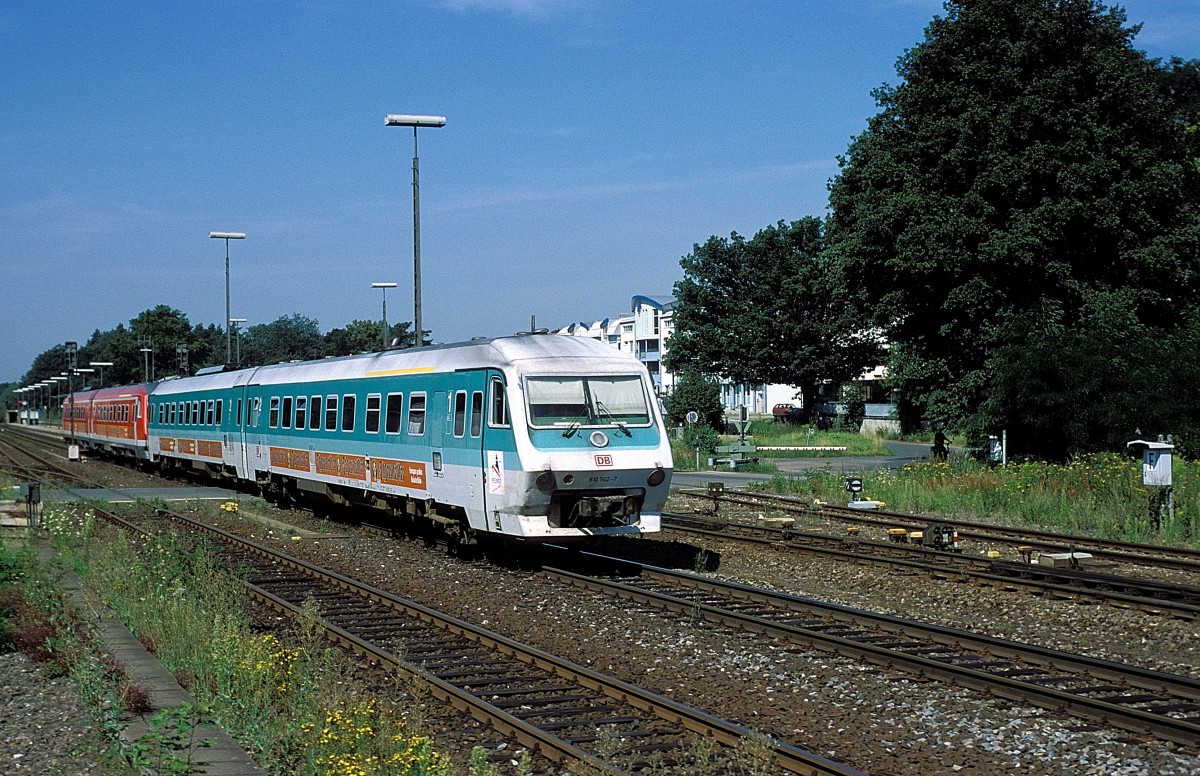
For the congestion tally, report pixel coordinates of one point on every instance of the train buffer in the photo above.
(734, 455)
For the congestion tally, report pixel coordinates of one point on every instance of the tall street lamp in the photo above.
(237, 334)
(405, 120)
(227, 236)
(385, 287)
(101, 364)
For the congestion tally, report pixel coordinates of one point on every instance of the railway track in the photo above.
(26, 463)
(1154, 597)
(1129, 697)
(1176, 558)
(562, 710)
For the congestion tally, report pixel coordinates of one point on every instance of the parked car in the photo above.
(787, 413)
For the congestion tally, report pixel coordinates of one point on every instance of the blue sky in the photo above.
(589, 145)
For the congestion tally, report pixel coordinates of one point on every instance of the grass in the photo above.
(767, 433)
(1099, 494)
(293, 701)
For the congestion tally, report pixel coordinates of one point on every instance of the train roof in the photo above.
(542, 353)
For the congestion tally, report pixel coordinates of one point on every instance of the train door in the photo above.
(437, 437)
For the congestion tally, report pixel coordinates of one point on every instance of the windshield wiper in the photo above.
(603, 411)
(575, 423)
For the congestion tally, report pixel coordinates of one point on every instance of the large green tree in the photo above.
(1022, 214)
(770, 309)
(287, 338)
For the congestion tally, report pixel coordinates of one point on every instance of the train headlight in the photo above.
(656, 477)
(545, 481)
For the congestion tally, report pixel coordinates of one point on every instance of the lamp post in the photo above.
(227, 236)
(404, 120)
(101, 364)
(384, 287)
(237, 334)
(146, 364)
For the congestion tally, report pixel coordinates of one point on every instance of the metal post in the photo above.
(227, 236)
(419, 334)
(397, 120)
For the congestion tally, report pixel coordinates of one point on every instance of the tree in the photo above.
(1032, 170)
(363, 337)
(770, 310)
(695, 393)
(288, 338)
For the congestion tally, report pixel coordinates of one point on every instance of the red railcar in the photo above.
(109, 419)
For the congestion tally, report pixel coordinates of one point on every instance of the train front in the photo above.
(594, 454)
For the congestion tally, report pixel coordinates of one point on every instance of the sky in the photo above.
(588, 146)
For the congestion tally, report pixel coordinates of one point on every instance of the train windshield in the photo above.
(589, 401)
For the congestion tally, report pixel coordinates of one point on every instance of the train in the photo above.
(532, 438)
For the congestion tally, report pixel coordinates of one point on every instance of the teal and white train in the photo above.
(535, 438)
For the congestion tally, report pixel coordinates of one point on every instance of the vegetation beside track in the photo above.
(1098, 494)
(765, 433)
(292, 700)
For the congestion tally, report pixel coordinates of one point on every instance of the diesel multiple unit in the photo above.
(536, 437)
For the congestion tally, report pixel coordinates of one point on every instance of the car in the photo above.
(787, 413)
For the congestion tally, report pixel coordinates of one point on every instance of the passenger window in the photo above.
(273, 418)
(460, 413)
(499, 405)
(476, 413)
(287, 411)
(416, 415)
(314, 417)
(373, 401)
(210, 412)
(239, 414)
(394, 414)
(331, 409)
(257, 415)
(348, 402)
(220, 404)
(301, 411)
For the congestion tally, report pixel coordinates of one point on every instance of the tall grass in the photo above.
(296, 706)
(1099, 494)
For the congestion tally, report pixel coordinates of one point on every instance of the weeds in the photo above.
(1100, 494)
(292, 700)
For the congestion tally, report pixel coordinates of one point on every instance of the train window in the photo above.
(476, 413)
(210, 413)
(197, 412)
(314, 417)
(287, 411)
(219, 404)
(273, 418)
(373, 401)
(301, 411)
(395, 413)
(416, 415)
(348, 402)
(239, 414)
(331, 409)
(460, 413)
(256, 414)
(499, 415)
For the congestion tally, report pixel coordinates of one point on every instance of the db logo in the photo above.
(604, 460)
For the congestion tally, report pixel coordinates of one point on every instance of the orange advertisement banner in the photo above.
(408, 474)
(335, 465)
(286, 458)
